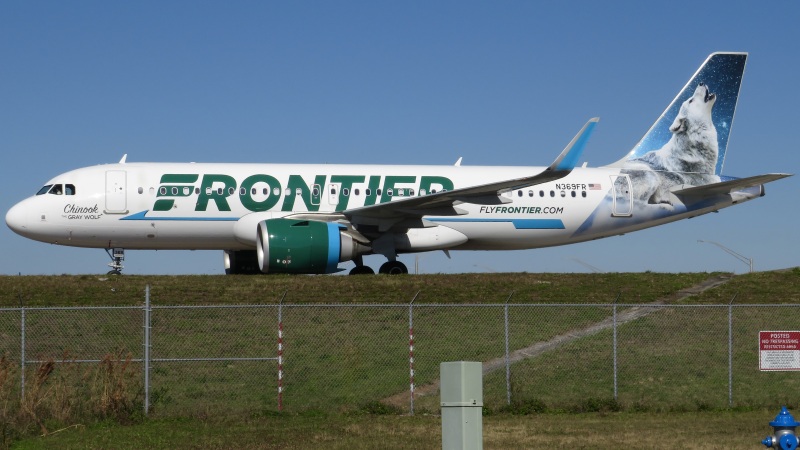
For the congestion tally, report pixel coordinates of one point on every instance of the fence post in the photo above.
(508, 359)
(614, 344)
(280, 351)
(411, 350)
(730, 351)
(22, 349)
(146, 349)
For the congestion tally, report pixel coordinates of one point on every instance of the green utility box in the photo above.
(462, 405)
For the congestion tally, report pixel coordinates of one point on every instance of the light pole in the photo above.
(739, 256)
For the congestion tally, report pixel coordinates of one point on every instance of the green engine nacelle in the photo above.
(303, 246)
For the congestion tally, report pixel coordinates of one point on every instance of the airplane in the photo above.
(306, 219)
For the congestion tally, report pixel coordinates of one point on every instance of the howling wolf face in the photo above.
(690, 156)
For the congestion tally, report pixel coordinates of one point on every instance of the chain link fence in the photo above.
(259, 359)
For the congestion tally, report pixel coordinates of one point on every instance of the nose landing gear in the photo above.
(117, 255)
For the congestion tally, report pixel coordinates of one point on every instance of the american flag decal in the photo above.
(594, 186)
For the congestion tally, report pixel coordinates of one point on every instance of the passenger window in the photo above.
(356, 191)
(433, 191)
(422, 192)
(174, 190)
(563, 194)
(573, 194)
(253, 191)
(162, 191)
(411, 192)
(346, 192)
(333, 191)
(287, 192)
(583, 194)
(276, 191)
(378, 192)
(242, 191)
(219, 191)
(390, 192)
(231, 191)
(197, 191)
(530, 193)
(44, 189)
(69, 189)
(541, 193)
(519, 193)
(141, 190)
(368, 192)
(552, 193)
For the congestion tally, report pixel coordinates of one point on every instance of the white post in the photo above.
(462, 405)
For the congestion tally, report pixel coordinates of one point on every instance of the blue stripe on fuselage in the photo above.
(519, 224)
(143, 216)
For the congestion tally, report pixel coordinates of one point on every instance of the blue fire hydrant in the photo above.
(784, 438)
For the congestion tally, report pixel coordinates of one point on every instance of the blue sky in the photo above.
(497, 83)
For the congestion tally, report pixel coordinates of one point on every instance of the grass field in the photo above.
(345, 361)
(614, 431)
(88, 290)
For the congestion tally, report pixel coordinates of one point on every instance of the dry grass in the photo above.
(63, 394)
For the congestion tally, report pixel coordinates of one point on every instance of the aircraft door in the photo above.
(116, 195)
(333, 193)
(622, 195)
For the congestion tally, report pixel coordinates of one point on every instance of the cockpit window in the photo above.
(57, 189)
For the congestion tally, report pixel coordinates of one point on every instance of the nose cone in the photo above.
(16, 219)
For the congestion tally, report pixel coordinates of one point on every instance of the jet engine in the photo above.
(304, 246)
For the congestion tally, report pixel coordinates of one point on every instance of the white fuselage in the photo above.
(218, 206)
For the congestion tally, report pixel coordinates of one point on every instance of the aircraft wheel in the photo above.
(362, 270)
(114, 272)
(393, 268)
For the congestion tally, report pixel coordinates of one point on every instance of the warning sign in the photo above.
(779, 350)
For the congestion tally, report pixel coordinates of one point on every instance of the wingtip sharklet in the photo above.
(569, 157)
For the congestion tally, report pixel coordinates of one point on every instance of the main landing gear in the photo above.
(393, 268)
(388, 268)
(117, 255)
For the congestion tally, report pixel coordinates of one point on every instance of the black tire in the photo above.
(393, 268)
(114, 272)
(362, 270)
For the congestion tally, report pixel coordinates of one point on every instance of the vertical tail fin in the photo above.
(715, 84)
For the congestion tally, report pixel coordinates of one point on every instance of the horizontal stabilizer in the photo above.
(726, 187)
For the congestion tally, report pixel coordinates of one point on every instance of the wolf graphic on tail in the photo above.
(688, 158)
(684, 149)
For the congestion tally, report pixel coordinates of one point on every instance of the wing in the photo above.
(385, 215)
